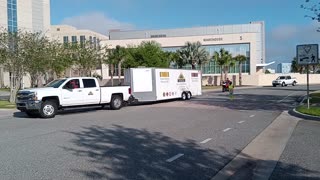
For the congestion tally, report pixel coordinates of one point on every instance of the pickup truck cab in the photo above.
(70, 92)
(284, 81)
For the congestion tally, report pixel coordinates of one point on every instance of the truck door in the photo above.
(91, 91)
(71, 93)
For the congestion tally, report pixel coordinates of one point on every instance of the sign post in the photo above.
(308, 54)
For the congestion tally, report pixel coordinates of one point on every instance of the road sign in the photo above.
(308, 54)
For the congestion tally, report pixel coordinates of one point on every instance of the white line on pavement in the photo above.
(174, 157)
(228, 129)
(252, 116)
(240, 122)
(287, 97)
(205, 141)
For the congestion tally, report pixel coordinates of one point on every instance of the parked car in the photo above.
(70, 92)
(284, 81)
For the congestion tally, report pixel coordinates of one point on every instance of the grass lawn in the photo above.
(314, 98)
(5, 89)
(314, 110)
(6, 105)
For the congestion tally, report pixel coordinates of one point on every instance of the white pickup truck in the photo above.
(70, 92)
(284, 81)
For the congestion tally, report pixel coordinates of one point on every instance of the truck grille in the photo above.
(23, 96)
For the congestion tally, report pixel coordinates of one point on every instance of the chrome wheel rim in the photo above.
(48, 110)
(183, 96)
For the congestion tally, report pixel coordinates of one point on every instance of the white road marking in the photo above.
(205, 141)
(252, 116)
(228, 129)
(174, 157)
(287, 97)
(240, 122)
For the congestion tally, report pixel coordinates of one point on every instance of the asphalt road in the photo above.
(171, 140)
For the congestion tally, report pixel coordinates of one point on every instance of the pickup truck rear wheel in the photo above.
(294, 83)
(116, 102)
(48, 109)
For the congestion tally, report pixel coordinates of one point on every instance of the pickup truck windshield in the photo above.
(281, 77)
(56, 83)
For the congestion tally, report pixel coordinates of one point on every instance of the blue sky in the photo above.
(286, 25)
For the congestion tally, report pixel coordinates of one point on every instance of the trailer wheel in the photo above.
(116, 102)
(189, 95)
(184, 96)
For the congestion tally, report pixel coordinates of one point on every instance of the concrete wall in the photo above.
(261, 79)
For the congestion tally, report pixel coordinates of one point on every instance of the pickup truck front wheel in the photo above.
(283, 84)
(48, 109)
(116, 102)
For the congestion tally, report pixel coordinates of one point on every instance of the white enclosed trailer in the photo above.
(156, 84)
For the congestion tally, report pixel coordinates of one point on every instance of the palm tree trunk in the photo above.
(119, 72)
(226, 72)
(112, 71)
(221, 75)
(240, 74)
(193, 66)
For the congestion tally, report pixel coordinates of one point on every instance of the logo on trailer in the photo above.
(181, 78)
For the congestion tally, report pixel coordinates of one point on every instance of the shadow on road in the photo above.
(126, 153)
(249, 102)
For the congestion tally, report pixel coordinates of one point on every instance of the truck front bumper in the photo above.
(28, 105)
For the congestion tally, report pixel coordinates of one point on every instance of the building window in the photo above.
(58, 29)
(74, 39)
(158, 36)
(94, 42)
(12, 15)
(212, 67)
(82, 39)
(65, 39)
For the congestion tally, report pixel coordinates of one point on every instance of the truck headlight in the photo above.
(33, 96)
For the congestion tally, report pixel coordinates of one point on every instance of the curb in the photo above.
(295, 113)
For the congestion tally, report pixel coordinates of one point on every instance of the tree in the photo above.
(14, 58)
(60, 58)
(86, 57)
(116, 57)
(194, 54)
(313, 6)
(37, 56)
(224, 59)
(240, 59)
(147, 54)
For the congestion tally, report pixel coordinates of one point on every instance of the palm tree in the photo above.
(240, 59)
(116, 57)
(224, 59)
(193, 53)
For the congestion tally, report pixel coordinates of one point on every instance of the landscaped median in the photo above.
(314, 110)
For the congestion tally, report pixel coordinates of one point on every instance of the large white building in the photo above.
(243, 39)
(25, 15)
(30, 15)
(69, 34)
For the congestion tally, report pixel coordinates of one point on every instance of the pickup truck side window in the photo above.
(89, 83)
(72, 84)
(288, 77)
